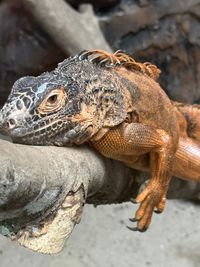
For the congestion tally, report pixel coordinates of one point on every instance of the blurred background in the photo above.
(166, 33)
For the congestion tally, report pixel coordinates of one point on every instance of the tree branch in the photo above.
(71, 30)
(43, 189)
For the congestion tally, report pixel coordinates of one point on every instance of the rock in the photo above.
(166, 33)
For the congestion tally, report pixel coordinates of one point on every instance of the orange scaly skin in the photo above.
(115, 104)
(168, 131)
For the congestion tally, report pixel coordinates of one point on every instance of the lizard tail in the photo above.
(189, 117)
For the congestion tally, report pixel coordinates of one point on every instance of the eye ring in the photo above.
(53, 102)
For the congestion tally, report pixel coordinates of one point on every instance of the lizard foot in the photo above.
(151, 199)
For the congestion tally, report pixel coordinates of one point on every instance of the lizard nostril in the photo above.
(10, 123)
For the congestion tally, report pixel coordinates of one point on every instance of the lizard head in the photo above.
(35, 110)
(68, 105)
(42, 111)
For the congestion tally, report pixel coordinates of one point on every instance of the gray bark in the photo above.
(71, 30)
(43, 190)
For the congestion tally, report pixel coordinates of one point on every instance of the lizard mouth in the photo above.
(48, 131)
(44, 134)
(71, 133)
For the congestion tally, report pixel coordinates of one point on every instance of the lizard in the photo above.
(116, 105)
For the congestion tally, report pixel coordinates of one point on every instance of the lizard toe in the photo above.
(161, 205)
(143, 215)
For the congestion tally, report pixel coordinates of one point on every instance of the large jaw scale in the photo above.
(75, 135)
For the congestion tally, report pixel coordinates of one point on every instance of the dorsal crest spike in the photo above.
(119, 58)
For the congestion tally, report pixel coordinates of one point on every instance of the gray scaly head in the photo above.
(68, 105)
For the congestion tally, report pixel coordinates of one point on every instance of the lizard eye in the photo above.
(53, 102)
(52, 99)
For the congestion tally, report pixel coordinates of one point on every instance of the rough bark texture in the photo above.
(43, 189)
(84, 24)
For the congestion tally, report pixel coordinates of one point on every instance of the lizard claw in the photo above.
(149, 199)
(132, 228)
(133, 200)
(133, 219)
(135, 229)
(157, 211)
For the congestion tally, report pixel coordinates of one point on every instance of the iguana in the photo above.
(115, 104)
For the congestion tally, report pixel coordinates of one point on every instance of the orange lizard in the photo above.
(115, 104)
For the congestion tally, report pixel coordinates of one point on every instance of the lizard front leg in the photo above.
(161, 148)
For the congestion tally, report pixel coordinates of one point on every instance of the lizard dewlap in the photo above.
(115, 104)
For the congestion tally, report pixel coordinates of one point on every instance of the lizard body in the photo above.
(115, 104)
